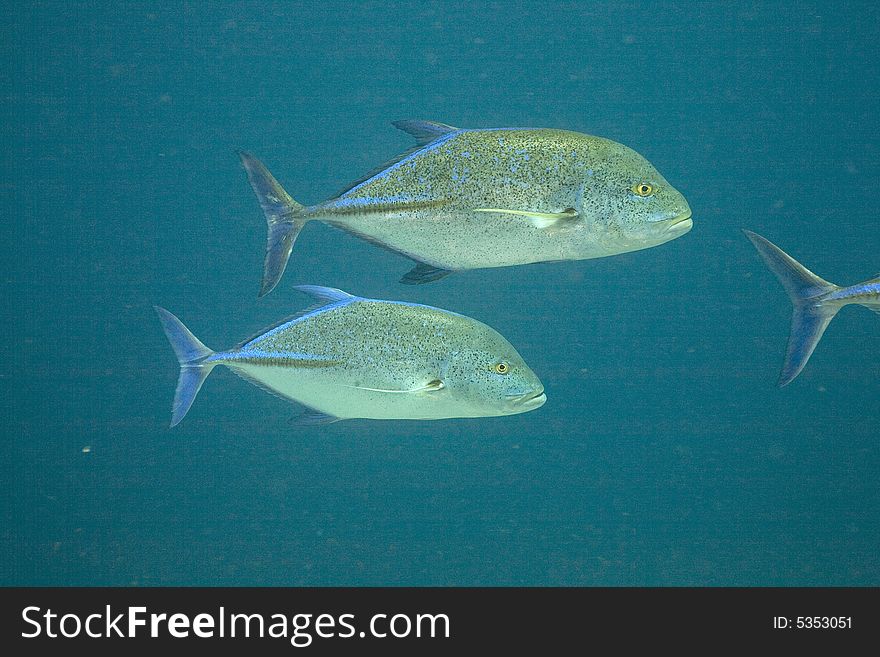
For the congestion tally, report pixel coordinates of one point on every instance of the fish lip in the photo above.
(535, 401)
(534, 398)
(680, 223)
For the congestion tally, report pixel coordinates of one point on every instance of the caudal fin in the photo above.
(191, 354)
(282, 218)
(810, 316)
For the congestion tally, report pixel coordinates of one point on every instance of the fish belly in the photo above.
(458, 239)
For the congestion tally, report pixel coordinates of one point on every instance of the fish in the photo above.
(351, 357)
(465, 199)
(815, 301)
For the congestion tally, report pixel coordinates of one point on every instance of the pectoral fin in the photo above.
(539, 219)
(433, 386)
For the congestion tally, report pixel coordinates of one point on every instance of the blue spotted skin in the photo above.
(425, 205)
(865, 294)
(360, 357)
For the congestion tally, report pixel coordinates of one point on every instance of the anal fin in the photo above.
(313, 418)
(424, 273)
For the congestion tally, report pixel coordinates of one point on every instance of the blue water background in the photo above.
(665, 454)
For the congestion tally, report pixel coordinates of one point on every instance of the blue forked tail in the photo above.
(284, 219)
(191, 354)
(810, 316)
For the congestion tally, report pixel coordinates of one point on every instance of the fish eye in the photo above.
(642, 189)
(501, 368)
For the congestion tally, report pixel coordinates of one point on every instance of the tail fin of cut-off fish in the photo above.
(283, 219)
(810, 316)
(192, 356)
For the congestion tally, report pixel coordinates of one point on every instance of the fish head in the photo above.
(488, 377)
(629, 203)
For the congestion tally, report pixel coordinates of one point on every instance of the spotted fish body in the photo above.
(363, 358)
(469, 199)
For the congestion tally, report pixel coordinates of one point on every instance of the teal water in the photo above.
(665, 454)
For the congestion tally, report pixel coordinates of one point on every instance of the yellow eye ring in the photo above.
(501, 368)
(642, 189)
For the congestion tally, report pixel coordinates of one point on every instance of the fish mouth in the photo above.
(680, 224)
(529, 400)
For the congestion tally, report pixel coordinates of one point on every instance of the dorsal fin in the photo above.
(424, 131)
(324, 294)
(377, 170)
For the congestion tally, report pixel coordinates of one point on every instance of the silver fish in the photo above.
(351, 357)
(468, 199)
(815, 300)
